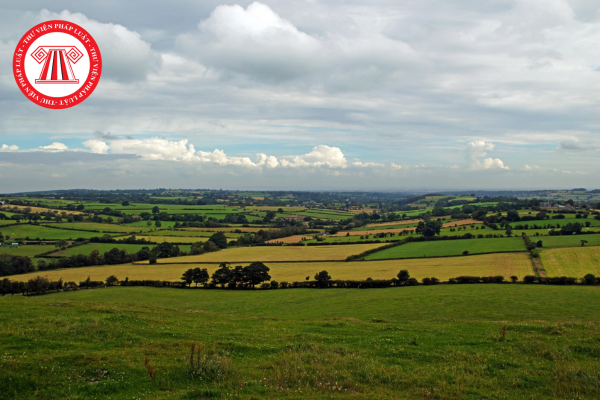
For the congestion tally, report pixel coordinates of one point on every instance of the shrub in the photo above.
(590, 279)
(412, 282)
(530, 279)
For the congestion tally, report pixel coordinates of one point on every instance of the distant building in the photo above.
(545, 204)
(293, 218)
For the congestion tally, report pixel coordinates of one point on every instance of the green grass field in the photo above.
(574, 261)
(33, 232)
(507, 265)
(91, 226)
(26, 250)
(408, 343)
(190, 233)
(104, 247)
(562, 222)
(568, 241)
(449, 248)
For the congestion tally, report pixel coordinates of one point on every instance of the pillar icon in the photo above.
(58, 62)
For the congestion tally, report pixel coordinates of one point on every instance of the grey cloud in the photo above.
(105, 136)
(577, 145)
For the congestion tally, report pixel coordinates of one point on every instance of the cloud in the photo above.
(530, 168)
(257, 42)
(253, 41)
(158, 148)
(7, 148)
(96, 146)
(575, 145)
(56, 146)
(368, 164)
(478, 149)
(126, 57)
(320, 155)
(104, 136)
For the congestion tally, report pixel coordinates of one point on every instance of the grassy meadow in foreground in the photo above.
(409, 343)
(507, 264)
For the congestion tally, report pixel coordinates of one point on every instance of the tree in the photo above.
(222, 275)
(589, 279)
(125, 203)
(165, 250)
(200, 276)
(322, 277)
(513, 215)
(403, 277)
(210, 246)
(42, 265)
(429, 228)
(583, 242)
(155, 210)
(157, 224)
(256, 273)
(62, 244)
(219, 239)
(508, 230)
(514, 279)
(111, 280)
(197, 248)
(80, 207)
(539, 243)
(188, 277)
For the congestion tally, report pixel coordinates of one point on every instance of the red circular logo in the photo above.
(57, 64)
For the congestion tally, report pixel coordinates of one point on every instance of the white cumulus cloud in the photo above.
(6, 147)
(96, 146)
(56, 146)
(475, 153)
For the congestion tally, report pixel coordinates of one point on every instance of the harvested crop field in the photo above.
(291, 239)
(277, 253)
(441, 268)
(574, 261)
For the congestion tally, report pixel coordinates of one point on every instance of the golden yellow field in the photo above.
(572, 261)
(441, 268)
(405, 222)
(228, 229)
(291, 239)
(174, 239)
(39, 209)
(277, 253)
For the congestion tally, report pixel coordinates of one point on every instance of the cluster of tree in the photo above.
(112, 257)
(109, 239)
(568, 229)
(589, 279)
(12, 265)
(241, 277)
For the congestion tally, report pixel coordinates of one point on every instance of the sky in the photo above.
(314, 95)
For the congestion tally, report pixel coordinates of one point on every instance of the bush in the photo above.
(412, 282)
(590, 279)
